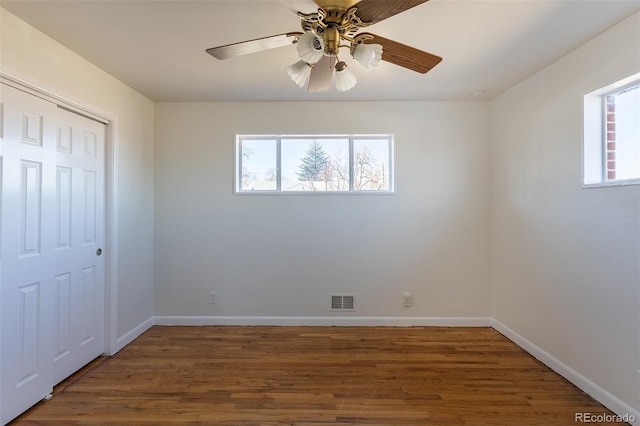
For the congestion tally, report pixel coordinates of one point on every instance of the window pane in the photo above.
(315, 164)
(371, 165)
(258, 165)
(623, 129)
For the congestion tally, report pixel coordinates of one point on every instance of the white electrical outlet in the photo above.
(212, 297)
(407, 299)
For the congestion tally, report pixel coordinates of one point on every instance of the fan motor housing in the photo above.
(333, 24)
(331, 40)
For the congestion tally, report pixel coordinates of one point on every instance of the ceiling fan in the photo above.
(329, 25)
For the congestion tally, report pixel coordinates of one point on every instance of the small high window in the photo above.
(304, 164)
(612, 134)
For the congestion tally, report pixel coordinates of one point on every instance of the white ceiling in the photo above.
(158, 46)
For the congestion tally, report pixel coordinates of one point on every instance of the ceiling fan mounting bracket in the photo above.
(312, 18)
(333, 24)
(346, 20)
(355, 20)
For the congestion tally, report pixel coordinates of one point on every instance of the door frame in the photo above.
(111, 199)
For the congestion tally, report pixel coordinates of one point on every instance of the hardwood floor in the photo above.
(316, 376)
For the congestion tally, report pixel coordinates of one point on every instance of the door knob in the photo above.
(99, 251)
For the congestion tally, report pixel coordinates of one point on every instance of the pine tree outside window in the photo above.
(314, 164)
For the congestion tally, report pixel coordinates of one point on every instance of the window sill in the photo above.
(626, 182)
(321, 193)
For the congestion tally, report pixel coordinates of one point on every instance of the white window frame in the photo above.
(594, 153)
(237, 172)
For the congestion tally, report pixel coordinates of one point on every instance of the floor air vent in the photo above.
(343, 302)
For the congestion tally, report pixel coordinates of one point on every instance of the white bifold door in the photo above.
(52, 237)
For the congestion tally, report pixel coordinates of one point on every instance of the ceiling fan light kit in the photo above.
(345, 79)
(299, 72)
(310, 48)
(367, 55)
(335, 25)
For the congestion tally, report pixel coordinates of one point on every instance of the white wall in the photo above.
(566, 260)
(35, 58)
(282, 255)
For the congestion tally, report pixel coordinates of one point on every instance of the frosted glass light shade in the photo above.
(368, 55)
(345, 79)
(299, 72)
(310, 48)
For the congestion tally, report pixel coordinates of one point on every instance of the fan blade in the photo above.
(377, 10)
(253, 46)
(304, 6)
(322, 74)
(405, 56)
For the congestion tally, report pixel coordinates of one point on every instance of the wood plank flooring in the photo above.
(316, 376)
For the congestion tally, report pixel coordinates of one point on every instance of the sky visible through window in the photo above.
(315, 164)
(628, 134)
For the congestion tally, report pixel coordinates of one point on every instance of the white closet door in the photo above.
(52, 227)
(78, 278)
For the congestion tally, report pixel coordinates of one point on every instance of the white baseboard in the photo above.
(131, 335)
(326, 321)
(598, 393)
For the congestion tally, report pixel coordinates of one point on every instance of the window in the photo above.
(328, 164)
(612, 134)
